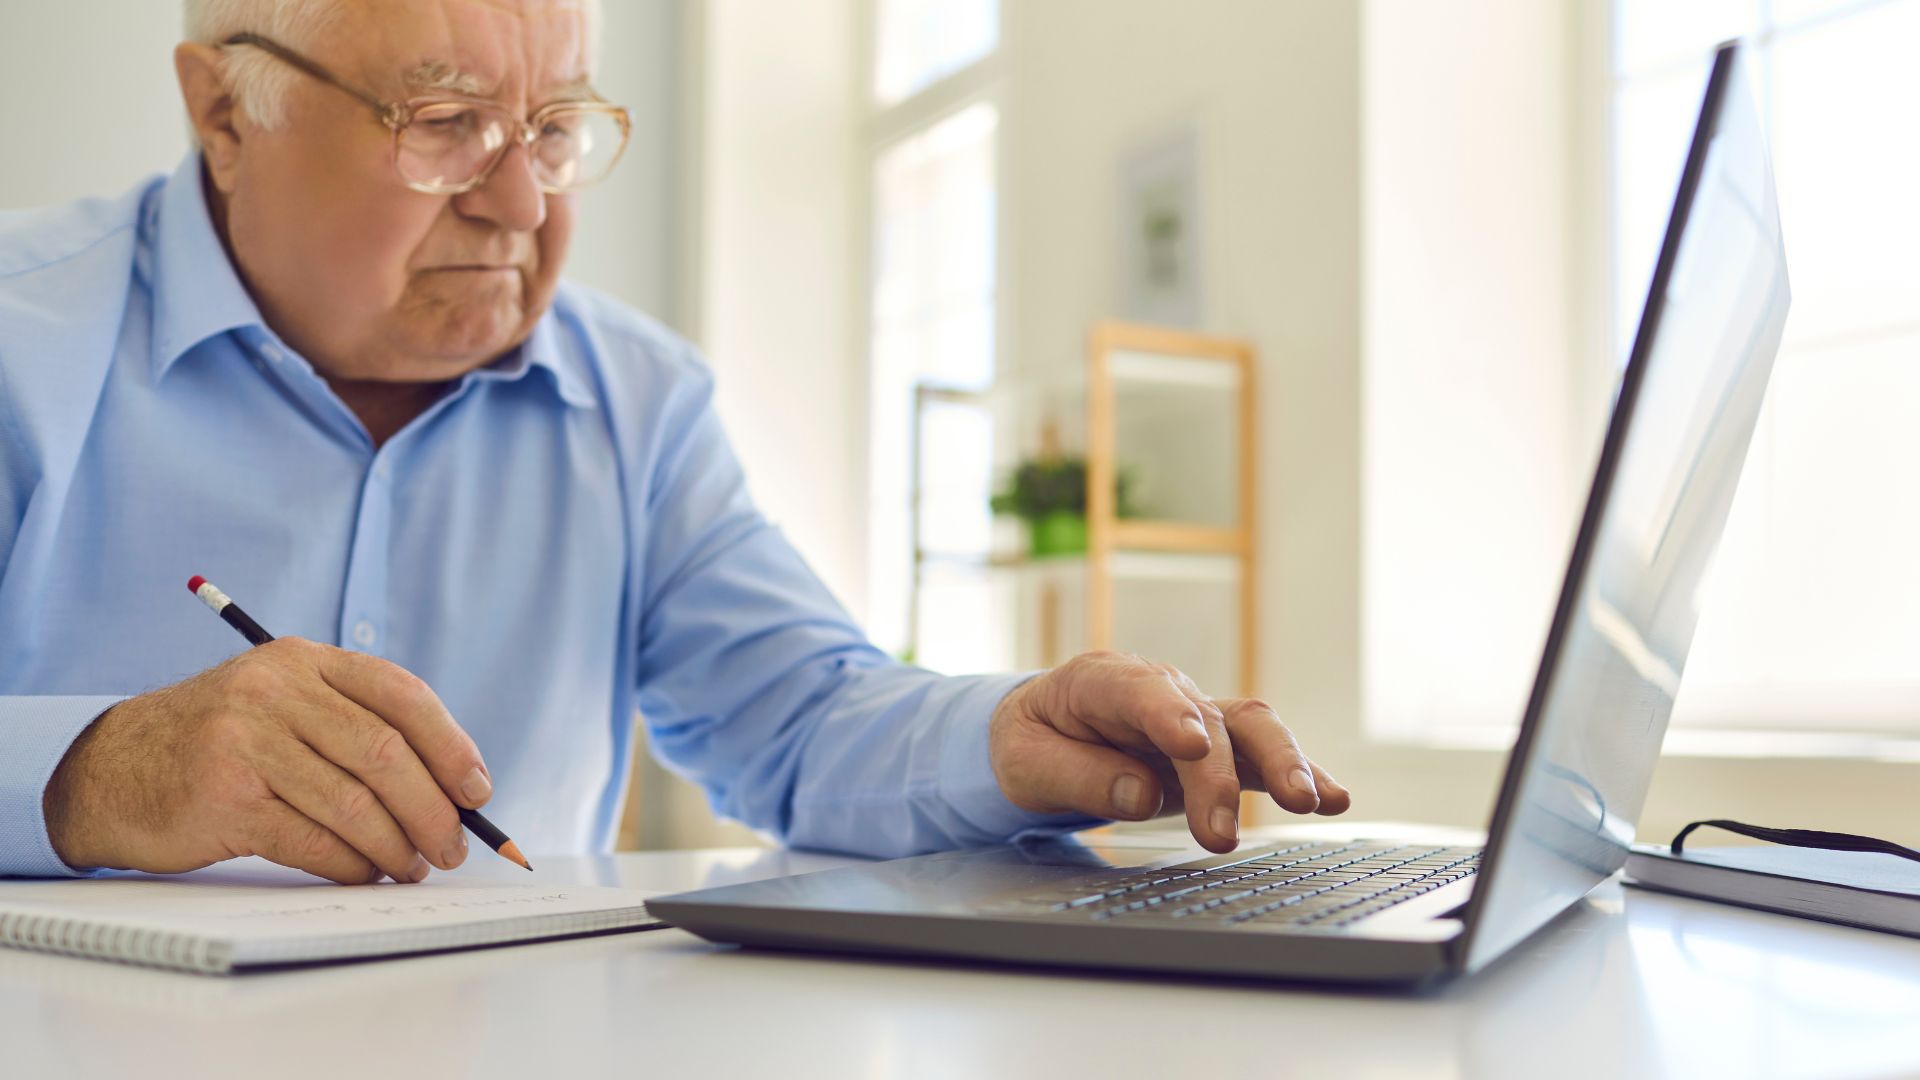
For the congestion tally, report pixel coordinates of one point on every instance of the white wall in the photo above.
(774, 302)
(1471, 239)
(631, 227)
(766, 288)
(109, 64)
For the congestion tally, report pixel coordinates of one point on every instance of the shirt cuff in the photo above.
(37, 732)
(966, 769)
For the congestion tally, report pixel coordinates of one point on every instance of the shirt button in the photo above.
(273, 353)
(383, 470)
(363, 634)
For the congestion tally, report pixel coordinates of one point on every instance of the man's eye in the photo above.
(449, 123)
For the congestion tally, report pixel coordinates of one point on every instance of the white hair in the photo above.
(259, 82)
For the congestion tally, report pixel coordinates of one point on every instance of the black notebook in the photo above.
(1869, 889)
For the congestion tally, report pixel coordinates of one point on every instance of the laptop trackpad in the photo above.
(952, 882)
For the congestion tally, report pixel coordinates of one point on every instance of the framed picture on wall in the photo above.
(1159, 225)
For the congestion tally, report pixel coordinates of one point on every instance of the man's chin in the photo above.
(458, 341)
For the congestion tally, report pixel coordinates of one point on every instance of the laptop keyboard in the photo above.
(1319, 885)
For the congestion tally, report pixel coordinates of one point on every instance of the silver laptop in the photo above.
(1382, 909)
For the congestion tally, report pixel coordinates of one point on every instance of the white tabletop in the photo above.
(1631, 984)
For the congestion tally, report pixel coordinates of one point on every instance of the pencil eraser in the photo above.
(194, 583)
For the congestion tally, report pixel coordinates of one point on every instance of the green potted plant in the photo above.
(1050, 495)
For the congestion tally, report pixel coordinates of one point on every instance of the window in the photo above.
(958, 602)
(1811, 621)
(932, 315)
(918, 42)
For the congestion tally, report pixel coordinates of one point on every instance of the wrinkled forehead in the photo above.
(517, 51)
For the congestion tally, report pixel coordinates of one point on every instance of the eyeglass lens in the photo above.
(449, 144)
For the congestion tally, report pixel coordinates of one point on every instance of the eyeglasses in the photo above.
(445, 146)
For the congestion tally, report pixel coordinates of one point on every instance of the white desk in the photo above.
(1631, 985)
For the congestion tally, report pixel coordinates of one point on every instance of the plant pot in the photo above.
(1062, 532)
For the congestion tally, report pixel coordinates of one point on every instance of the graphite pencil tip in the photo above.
(511, 852)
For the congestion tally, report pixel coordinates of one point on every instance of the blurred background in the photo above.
(1335, 295)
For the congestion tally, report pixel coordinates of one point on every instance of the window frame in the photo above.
(882, 126)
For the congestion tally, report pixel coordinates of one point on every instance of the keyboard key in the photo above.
(1319, 885)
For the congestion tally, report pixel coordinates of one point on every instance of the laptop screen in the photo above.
(1685, 412)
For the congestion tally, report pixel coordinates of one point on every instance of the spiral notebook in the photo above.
(236, 917)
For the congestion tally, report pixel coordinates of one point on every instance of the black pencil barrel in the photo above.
(238, 619)
(482, 828)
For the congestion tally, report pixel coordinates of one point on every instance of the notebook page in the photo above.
(298, 918)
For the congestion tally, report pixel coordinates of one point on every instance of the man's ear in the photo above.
(211, 110)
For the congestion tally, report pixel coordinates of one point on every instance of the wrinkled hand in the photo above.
(1114, 736)
(333, 762)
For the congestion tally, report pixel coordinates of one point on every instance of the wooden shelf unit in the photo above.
(1139, 554)
(1117, 351)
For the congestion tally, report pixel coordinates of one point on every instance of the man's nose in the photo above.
(510, 198)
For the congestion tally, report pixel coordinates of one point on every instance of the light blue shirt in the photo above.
(562, 540)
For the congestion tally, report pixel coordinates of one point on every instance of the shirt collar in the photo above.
(542, 349)
(197, 296)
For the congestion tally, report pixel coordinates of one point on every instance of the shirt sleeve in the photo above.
(756, 684)
(37, 732)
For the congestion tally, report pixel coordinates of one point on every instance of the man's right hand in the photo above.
(334, 762)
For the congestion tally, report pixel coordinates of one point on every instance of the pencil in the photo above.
(223, 606)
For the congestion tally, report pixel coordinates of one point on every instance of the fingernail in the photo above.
(419, 870)
(1303, 783)
(476, 787)
(1129, 797)
(456, 851)
(1225, 824)
(1195, 727)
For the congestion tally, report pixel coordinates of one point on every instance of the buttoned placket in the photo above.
(364, 610)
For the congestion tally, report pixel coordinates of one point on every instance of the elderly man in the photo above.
(329, 363)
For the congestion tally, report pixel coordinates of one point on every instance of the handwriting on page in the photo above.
(466, 905)
(380, 905)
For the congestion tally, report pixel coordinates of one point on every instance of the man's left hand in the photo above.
(1114, 736)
